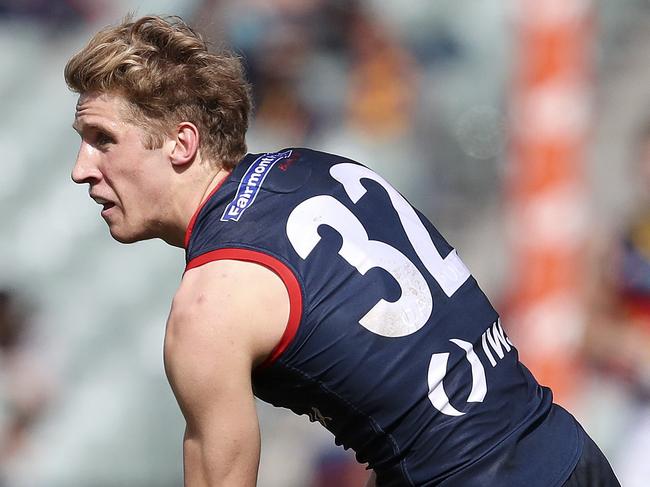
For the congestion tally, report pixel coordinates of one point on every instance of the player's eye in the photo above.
(102, 139)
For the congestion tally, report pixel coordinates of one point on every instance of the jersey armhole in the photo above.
(282, 271)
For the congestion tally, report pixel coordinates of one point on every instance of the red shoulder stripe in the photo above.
(288, 278)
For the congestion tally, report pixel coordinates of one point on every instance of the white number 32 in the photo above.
(413, 308)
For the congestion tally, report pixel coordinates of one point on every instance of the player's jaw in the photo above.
(135, 219)
(127, 226)
(119, 220)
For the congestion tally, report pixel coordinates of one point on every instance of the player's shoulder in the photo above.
(227, 297)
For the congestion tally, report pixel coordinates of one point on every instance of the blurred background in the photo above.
(520, 127)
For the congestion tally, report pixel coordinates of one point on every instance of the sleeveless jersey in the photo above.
(390, 343)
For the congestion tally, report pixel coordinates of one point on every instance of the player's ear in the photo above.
(186, 144)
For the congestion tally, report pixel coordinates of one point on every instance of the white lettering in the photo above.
(497, 338)
(498, 341)
(486, 349)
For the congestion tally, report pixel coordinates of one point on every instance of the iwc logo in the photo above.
(438, 371)
(494, 342)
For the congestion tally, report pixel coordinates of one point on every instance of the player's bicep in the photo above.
(214, 337)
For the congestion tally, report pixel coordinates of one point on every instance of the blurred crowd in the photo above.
(419, 93)
(616, 342)
(26, 384)
(337, 75)
(53, 14)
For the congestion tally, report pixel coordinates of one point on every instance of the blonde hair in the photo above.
(164, 70)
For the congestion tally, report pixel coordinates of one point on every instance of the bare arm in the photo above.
(215, 336)
(371, 480)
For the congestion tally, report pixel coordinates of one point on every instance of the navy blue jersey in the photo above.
(390, 343)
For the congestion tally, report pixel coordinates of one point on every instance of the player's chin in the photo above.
(125, 236)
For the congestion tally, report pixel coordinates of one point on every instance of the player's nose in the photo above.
(84, 170)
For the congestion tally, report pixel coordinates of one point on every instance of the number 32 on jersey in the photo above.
(414, 307)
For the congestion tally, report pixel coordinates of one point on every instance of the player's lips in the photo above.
(106, 204)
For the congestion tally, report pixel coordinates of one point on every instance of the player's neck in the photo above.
(189, 203)
(213, 183)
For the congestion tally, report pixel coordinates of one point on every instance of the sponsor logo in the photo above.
(250, 185)
(494, 340)
(438, 372)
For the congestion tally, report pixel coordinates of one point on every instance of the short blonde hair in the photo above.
(164, 70)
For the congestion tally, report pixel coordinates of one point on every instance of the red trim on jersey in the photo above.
(288, 278)
(190, 226)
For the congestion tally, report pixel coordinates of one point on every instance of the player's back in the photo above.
(390, 344)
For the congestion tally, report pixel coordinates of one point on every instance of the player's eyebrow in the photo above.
(79, 128)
